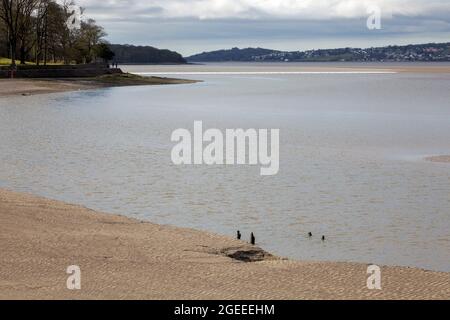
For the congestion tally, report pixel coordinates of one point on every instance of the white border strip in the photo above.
(263, 72)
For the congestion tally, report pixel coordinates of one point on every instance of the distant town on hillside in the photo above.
(414, 52)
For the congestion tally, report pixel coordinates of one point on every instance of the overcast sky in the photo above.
(193, 26)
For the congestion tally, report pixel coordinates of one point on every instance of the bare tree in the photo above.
(16, 14)
(25, 32)
(39, 30)
(3, 40)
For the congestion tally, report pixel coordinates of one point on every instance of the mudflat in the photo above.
(25, 87)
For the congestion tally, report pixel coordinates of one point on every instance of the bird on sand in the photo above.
(252, 239)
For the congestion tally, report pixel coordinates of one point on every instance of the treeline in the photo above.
(144, 54)
(413, 52)
(44, 31)
(234, 54)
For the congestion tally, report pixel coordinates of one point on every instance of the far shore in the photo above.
(441, 159)
(121, 258)
(27, 87)
(420, 68)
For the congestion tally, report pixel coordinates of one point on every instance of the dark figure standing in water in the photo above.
(252, 239)
(323, 238)
(239, 235)
(310, 235)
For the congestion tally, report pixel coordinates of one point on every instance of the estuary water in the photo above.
(352, 149)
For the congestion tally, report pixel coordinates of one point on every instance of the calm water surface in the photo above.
(352, 168)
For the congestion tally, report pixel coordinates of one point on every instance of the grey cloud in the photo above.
(150, 22)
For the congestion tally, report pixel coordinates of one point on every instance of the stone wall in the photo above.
(59, 71)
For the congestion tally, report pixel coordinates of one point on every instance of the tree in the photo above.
(16, 15)
(90, 37)
(41, 29)
(104, 52)
(3, 40)
(25, 28)
(56, 26)
(38, 30)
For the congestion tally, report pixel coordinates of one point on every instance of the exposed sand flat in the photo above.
(127, 259)
(423, 69)
(17, 87)
(9, 87)
(14, 87)
(306, 67)
(443, 159)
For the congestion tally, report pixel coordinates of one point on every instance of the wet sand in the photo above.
(17, 87)
(24, 87)
(122, 258)
(314, 67)
(27, 87)
(440, 159)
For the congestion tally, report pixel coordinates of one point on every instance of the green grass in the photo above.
(126, 79)
(7, 62)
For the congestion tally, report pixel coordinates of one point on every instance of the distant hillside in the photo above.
(413, 52)
(144, 54)
(234, 54)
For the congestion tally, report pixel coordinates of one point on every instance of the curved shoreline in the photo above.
(121, 258)
(28, 87)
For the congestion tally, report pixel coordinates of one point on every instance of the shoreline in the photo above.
(122, 258)
(29, 87)
(34, 86)
(438, 159)
(307, 67)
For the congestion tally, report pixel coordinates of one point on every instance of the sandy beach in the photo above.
(17, 87)
(439, 159)
(122, 258)
(424, 68)
(9, 87)
(26, 87)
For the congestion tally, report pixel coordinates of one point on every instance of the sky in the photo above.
(194, 26)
